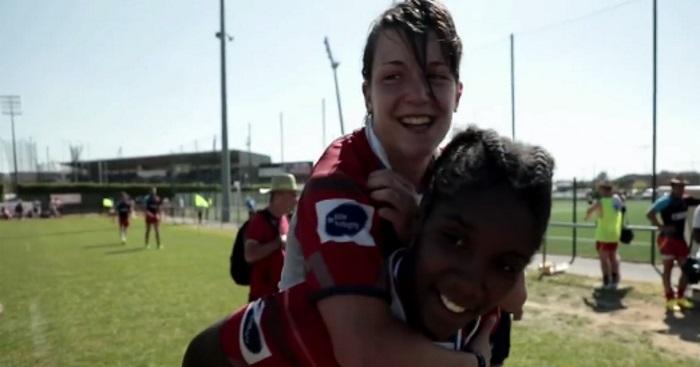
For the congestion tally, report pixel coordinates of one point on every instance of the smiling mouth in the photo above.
(451, 305)
(418, 121)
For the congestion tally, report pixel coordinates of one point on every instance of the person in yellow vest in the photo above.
(608, 209)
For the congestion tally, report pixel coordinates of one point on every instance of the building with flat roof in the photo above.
(196, 167)
(203, 167)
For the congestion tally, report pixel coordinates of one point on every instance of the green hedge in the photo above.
(166, 190)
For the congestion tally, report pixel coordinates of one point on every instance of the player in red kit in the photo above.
(152, 213)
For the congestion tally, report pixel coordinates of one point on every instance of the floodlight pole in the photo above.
(323, 123)
(653, 134)
(512, 88)
(225, 155)
(334, 66)
(248, 143)
(11, 105)
(653, 144)
(14, 151)
(281, 137)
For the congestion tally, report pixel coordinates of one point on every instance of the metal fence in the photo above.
(182, 209)
(645, 234)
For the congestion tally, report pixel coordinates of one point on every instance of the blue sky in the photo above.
(143, 76)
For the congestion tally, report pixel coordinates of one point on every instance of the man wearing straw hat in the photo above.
(608, 209)
(673, 208)
(266, 236)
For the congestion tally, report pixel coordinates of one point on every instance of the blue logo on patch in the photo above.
(345, 220)
(251, 334)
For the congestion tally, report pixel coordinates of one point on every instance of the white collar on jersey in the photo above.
(375, 144)
(378, 149)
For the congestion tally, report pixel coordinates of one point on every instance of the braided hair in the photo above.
(478, 159)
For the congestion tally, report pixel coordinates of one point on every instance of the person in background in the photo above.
(266, 237)
(55, 207)
(4, 212)
(19, 209)
(123, 210)
(153, 216)
(608, 209)
(36, 209)
(696, 228)
(673, 208)
(250, 205)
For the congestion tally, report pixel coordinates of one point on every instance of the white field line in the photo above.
(37, 327)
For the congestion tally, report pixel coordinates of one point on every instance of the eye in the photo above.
(450, 239)
(391, 77)
(461, 242)
(510, 267)
(438, 77)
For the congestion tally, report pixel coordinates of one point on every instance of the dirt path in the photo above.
(637, 308)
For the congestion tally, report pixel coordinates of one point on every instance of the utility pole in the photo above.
(653, 134)
(653, 116)
(225, 155)
(334, 66)
(76, 152)
(323, 123)
(281, 138)
(512, 87)
(248, 143)
(11, 105)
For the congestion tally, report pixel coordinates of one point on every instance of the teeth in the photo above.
(451, 305)
(415, 120)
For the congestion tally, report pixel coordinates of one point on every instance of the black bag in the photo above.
(626, 235)
(691, 269)
(239, 268)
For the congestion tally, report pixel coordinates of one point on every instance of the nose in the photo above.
(467, 284)
(417, 89)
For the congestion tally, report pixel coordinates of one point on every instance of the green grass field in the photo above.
(74, 296)
(559, 240)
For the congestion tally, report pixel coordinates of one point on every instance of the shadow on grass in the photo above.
(103, 245)
(607, 300)
(62, 233)
(684, 325)
(125, 251)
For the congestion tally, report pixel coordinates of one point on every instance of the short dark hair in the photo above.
(478, 159)
(413, 19)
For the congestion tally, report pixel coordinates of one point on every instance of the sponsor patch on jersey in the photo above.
(344, 220)
(679, 216)
(251, 339)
